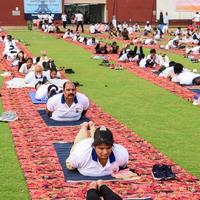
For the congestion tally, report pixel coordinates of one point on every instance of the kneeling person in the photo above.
(69, 105)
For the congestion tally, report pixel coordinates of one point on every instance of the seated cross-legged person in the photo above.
(94, 152)
(69, 105)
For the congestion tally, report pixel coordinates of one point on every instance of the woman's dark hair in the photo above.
(103, 135)
(37, 59)
(29, 58)
(114, 43)
(172, 63)
(178, 68)
(153, 51)
(53, 69)
(20, 52)
(196, 81)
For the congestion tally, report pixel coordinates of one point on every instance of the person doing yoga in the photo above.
(94, 152)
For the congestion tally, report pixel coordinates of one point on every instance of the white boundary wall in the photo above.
(170, 7)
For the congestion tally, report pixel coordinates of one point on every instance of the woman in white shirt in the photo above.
(27, 67)
(94, 152)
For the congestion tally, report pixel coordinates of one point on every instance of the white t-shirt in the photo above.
(123, 57)
(90, 42)
(166, 19)
(170, 45)
(185, 78)
(196, 50)
(48, 75)
(68, 35)
(50, 19)
(31, 78)
(197, 17)
(62, 112)
(149, 41)
(92, 29)
(154, 58)
(143, 62)
(84, 158)
(165, 73)
(114, 22)
(130, 30)
(148, 28)
(24, 70)
(64, 17)
(79, 17)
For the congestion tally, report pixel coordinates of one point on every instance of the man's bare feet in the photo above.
(92, 128)
(99, 184)
(85, 125)
(93, 185)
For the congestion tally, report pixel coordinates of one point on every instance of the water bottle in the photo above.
(196, 100)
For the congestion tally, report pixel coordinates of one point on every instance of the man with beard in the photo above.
(69, 105)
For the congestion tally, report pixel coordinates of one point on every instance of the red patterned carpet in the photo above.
(34, 146)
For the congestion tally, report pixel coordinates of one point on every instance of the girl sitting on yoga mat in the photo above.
(94, 152)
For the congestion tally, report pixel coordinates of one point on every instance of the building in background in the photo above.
(13, 12)
(93, 10)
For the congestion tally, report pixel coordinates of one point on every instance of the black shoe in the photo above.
(77, 84)
(162, 172)
(69, 71)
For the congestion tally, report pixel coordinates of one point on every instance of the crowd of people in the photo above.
(179, 39)
(94, 152)
(64, 102)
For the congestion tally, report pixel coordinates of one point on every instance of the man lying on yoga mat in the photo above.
(94, 152)
(69, 105)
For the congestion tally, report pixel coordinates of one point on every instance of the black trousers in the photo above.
(64, 24)
(105, 191)
(78, 24)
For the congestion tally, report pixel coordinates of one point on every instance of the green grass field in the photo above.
(164, 119)
(12, 183)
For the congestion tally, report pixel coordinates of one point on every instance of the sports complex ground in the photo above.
(122, 101)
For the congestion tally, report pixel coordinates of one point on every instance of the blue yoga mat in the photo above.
(63, 150)
(51, 122)
(36, 101)
(156, 72)
(197, 91)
